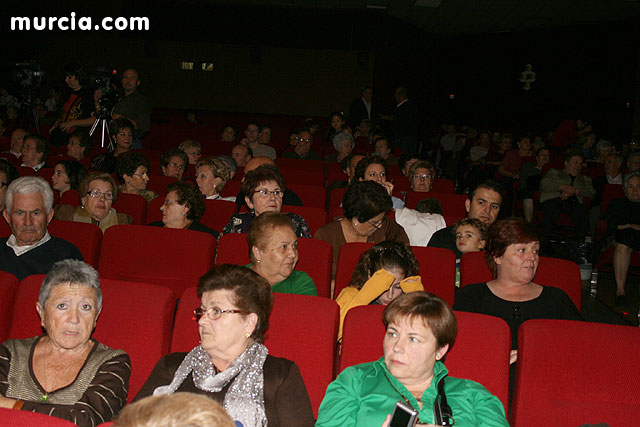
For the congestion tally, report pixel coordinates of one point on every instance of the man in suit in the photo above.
(405, 122)
(362, 108)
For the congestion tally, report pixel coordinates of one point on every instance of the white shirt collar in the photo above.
(20, 250)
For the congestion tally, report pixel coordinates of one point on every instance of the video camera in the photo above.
(108, 83)
(28, 75)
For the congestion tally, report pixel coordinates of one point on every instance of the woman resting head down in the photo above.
(420, 330)
(97, 192)
(66, 373)
(231, 365)
(273, 251)
(383, 273)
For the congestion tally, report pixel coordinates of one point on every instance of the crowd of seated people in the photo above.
(550, 180)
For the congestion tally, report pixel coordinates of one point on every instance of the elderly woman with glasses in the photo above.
(231, 365)
(264, 188)
(97, 192)
(133, 170)
(65, 373)
(421, 176)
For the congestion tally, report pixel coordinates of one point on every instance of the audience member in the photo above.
(302, 148)
(421, 176)
(182, 209)
(405, 161)
(374, 168)
(252, 140)
(338, 125)
(173, 163)
(79, 145)
(17, 139)
(8, 174)
(484, 204)
(211, 176)
(420, 330)
(290, 198)
(231, 164)
(229, 133)
(65, 373)
(405, 122)
(28, 211)
(122, 137)
(343, 143)
(263, 189)
(612, 175)
(563, 191)
(241, 154)
(192, 150)
(471, 236)
(362, 107)
(67, 175)
(530, 176)
(623, 229)
(273, 251)
(633, 162)
(383, 149)
(231, 365)
(97, 192)
(133, 170)
(384, 272)
(35, 150)
(568, 131)
(364, 205)
(177, 409)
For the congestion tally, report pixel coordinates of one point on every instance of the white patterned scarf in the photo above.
(244, 401)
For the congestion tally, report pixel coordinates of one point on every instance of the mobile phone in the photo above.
(403, 415)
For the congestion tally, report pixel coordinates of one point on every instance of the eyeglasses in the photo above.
(96, 194)
(176, 165)
(266, 193)
(304, 140)
(213, 313)
(377, 224)
(423, 176)
(142, 175)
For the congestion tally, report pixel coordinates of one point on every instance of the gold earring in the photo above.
(247, 335)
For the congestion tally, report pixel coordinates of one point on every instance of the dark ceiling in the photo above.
(460, 17)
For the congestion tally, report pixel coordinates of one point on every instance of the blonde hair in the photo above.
(175, 410)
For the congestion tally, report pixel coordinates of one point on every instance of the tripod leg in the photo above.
(93, 127)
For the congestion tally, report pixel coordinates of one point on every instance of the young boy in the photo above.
(471, 236)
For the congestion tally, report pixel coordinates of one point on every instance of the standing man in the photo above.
(362, 108)
(405, 122)
(134, 106)
(31, 249)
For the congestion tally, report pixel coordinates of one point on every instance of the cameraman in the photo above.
(76, 111)
(134, 107)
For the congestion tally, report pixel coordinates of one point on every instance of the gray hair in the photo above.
(74, 272)
(340, 138)
(29, 185)
(627, 178)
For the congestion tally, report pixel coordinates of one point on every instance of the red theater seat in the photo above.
(315, 217)
(86, 237)
(576, 373)
(12, 418)
(174, 258)
(133, 205)
(8, 287)
(311, 195)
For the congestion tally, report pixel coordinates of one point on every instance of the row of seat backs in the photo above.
(569, 390)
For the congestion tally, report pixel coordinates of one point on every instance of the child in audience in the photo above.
(471, 236)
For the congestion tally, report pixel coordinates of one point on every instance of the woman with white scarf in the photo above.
(231, 365)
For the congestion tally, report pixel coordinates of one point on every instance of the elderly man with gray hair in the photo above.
(31, 249)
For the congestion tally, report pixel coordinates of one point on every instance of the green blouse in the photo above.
(362, 396)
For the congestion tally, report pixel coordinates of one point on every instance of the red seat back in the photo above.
(217, 213)
(159, 183)
(315, 217)
(314, 258)
(298, 164)
(310, 195)
(302, 328)
(438, 271)
(480, 353)
(556, 272)
(133, 205)
(303, 176)
(124, 304)
(611, 191)
(576, 373)
(86, 237)
(347, 259)
(174, 258)
(70, 197)
(8, 287)
(335, 198)
(11, 418)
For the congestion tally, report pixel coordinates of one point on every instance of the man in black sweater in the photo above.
(30, 249)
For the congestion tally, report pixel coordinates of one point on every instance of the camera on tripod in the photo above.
(28, 75)
(107, 82)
